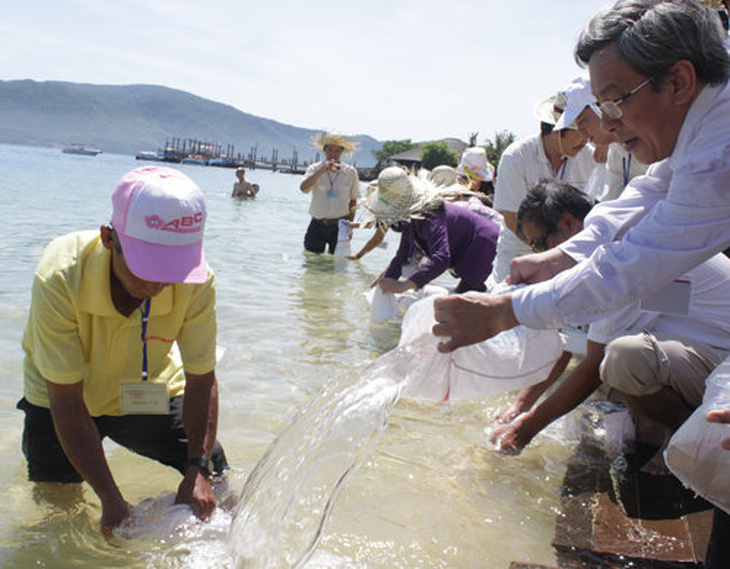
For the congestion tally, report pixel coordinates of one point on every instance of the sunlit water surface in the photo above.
(429, 493)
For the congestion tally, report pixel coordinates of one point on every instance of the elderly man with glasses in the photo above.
(679, 122)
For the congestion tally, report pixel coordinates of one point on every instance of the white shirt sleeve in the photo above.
(511, 187)
(678, 233)
(355, 186)
(608, 221)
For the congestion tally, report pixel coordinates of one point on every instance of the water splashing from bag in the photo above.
(289, 495)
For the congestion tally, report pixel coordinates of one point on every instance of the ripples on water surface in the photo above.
(430, 494)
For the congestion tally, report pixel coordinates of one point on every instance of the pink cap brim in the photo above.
(163, 263)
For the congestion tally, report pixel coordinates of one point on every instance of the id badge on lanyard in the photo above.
(144, 397)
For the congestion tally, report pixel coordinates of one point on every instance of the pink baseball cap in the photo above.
(159, 214)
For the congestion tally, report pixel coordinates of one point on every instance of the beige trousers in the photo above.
(641, 364)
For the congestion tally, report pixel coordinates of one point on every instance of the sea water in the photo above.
(428, 491)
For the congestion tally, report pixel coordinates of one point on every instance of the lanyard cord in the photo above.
(145, 319)
(627, 169)
(562, 169)
(332, 180)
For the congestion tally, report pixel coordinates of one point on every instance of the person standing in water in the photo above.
(334, 188)
(242, 188)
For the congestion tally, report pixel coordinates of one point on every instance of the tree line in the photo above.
(437, 153)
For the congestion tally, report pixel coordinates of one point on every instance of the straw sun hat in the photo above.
(444, 175)
(398, 195)
(331, 139)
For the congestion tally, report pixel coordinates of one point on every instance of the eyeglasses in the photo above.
(611, 109)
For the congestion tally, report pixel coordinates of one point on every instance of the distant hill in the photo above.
(125, 119)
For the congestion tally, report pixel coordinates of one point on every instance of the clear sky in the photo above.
(392, 69)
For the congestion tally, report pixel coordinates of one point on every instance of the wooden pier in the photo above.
(193, 151)
(620, 517)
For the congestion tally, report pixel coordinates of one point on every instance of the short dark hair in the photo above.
(653, 35)
(547, 201)
(546, 128)
(724, 18)
(115, 240)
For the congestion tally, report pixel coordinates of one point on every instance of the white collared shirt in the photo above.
(608, 180)
(332, 192)
(523, 164)
(707, 320)
(688, 226)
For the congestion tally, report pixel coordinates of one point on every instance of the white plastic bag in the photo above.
(407, 298)
(511, 360)
(344, 233)
(695, 454)
(619, 433)
(382, 306)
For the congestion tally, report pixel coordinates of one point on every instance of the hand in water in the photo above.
(511, 438)
(196, 491)
(113, 515)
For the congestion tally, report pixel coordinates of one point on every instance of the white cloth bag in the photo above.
(511, 360)
(383, 306)
(695, 454)
(344, 234)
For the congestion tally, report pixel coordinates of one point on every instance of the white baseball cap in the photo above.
(577, 97)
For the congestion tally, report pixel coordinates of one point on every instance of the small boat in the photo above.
(149, 155)
(195, 159)
(223, 162)
(81, 149)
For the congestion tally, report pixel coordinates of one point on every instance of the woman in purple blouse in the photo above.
(443, 235)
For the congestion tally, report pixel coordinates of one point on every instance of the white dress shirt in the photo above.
(523, 164)
(686, 227)
(707, 321)
(608, 180)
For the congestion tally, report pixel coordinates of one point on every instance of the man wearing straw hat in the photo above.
(334, 187)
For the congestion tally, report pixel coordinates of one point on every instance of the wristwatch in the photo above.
(205, 464)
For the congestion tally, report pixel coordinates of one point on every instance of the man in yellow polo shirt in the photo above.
(120, 342)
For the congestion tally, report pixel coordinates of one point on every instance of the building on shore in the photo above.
(411, 159)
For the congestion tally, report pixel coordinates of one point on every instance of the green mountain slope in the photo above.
(128, 118)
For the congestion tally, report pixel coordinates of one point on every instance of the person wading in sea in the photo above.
(334, 188)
